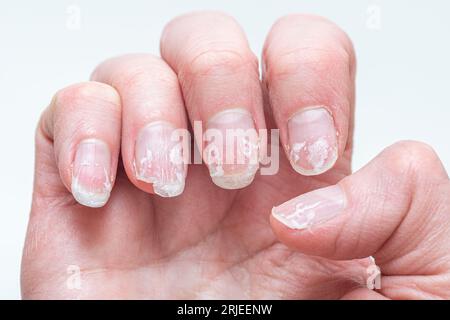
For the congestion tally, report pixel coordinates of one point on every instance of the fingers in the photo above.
(220, 83)
(154, 122)
(309, 71)
(83, 122)
(395, 209)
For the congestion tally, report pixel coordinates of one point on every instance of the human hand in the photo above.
(106, 144)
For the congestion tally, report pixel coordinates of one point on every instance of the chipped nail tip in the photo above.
(159, 159)
(166, 189)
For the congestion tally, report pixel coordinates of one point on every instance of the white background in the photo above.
(402, 85)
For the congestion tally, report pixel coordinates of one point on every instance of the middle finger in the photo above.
(219, 79)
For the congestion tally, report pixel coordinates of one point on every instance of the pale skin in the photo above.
(211, 242)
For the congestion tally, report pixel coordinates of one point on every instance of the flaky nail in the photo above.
(91, 173)
(312, 141)
(232, 148)
(159, 159)
(311, 209)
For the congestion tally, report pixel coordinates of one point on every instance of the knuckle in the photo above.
(326, 48)
(318, 22)
(141, 76)
(218, 62)
(136, 71)
(308, 59)
(303, 17)
(123, 62)
(412, 157)
(86, 94)
(196, 16)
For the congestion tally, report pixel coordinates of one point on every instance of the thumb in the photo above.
(395, 209)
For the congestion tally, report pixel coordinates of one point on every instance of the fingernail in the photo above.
(312, 141)
(159, 159)
(91, 173)
(311, 209)
(232, 148)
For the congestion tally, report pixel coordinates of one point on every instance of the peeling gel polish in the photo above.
(312, 141)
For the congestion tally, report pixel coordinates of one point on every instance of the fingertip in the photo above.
(309, 222)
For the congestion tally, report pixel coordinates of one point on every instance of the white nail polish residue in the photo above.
(246, 173)
(232, 148)
(159, 159)
(301, 218)
(216, 170)
(89, 197)
(313, 141)
(214, 161)
(319, 155)
(295, 152)
(311, 209)
(176, 154)
(91, 180)
(236, 181)
(250, 149)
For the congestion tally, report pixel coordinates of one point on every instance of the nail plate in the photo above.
(312, 141)
(311, 209)
(91, 173)
(232, 148)
(159, 159)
